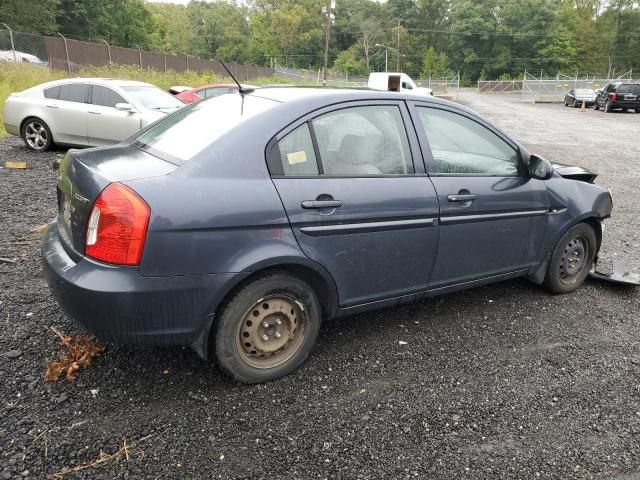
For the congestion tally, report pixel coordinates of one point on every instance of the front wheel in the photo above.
(596, 106)
(571, 260)
(268, 329)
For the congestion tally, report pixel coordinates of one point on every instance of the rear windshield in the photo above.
(182, 135)
(629, 88)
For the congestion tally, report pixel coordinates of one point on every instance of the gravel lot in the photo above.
(498, 382)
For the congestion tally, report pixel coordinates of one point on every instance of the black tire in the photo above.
(596, 106)
(566, 104)
(575, 104)
(637, 110)
(564, 275)
(607, 107)
(290, 308)
(36, 134)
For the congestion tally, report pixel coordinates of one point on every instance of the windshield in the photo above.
(152, 98)
(184, 134)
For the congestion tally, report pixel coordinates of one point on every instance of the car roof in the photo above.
(329, 95)
(112, 82)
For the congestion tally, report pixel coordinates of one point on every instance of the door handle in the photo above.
(321, 204)
(95, 113)
(52, 106)
(461, 197)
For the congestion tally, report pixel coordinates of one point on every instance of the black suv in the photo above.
(625, 96)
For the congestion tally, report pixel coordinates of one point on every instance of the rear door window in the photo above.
(52, 92)
(297, 155)
(74, 92)
(105, 97)
(362, 141)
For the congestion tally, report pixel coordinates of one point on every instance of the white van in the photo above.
(396, 82)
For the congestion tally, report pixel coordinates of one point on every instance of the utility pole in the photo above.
(331, 4)
(398, 47)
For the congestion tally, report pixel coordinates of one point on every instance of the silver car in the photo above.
(84, 111)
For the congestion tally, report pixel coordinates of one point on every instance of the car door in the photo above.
(68, 114)
(106, 124)
(357, 203)
(492, 214)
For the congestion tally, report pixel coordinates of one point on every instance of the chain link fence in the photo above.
(63, 53)
(341, 79)
(554, 89)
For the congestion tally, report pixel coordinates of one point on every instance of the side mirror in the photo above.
(540, 168)
(598, 91)
(125, 107)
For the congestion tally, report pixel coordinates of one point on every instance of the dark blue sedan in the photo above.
(236, 224)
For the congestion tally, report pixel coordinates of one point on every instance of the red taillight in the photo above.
(614, 96)
(117, 226)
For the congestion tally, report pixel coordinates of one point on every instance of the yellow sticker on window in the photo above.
(296, 157)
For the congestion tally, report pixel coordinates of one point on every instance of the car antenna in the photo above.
(241, 89)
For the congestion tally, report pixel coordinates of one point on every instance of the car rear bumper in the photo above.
(119, 305)
(625, 104)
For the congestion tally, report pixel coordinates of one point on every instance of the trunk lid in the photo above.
(83, 174)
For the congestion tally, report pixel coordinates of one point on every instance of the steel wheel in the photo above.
(574, 259)
(571, 259)
(271, 331)
(267, 329)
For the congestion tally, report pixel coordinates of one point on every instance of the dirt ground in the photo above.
(504, 381)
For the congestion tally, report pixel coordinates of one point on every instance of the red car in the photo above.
(197, 94)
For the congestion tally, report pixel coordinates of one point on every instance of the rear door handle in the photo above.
(461, 197)
(52, 106)
(321, 204)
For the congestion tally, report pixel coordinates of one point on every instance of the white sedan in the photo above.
(84, 111)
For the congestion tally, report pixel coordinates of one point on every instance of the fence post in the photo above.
(108, 50)
(66, 52)
(13, 48)
(187, 57)
(164, 56)
(139, 54)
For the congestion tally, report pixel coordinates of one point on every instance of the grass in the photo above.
(17, 77)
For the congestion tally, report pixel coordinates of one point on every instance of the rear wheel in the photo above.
(607, 107)
(571, 260)
(268, 329)
(36, 135)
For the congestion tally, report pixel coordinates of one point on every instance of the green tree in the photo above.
(34, 15)
(436, 64)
